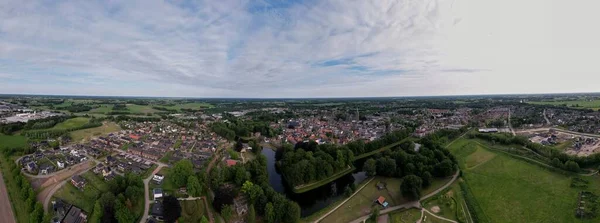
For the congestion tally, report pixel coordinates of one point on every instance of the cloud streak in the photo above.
(242, 48)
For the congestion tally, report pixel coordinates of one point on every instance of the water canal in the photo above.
(314, 200)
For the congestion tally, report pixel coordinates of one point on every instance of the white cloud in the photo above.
(241, 48)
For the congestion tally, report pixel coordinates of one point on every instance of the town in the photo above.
(206, 158)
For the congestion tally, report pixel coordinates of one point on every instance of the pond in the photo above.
(314, 200)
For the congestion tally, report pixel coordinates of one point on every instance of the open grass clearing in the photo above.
(71, 123)
(513, 190)
(141, 109)
(478, 157)
(405, 216)
(83, 199)
(12, 141)
(87, 134)
(583, 104)
(192, 211)
(96, 181)
(362, 203)
(428, 218)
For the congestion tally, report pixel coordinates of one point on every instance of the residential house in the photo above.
(157, 178)
(78, 182)
(157, 193)
(157, 211)
(31, 167)
(75, 215)
(60, 164)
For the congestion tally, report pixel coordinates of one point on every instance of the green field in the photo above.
(512, 190)
(141, 109)
(591, 104)
(71, 123)
(192, 211)
(405, 216)
(362, 203)
(12, 141)
(96, 181)
(103, 109)
(195, 106)
(84, 199)
(87, 134)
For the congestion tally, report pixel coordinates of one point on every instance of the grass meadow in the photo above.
(513, 190)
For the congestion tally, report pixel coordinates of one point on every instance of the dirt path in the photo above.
(6, 212)
(438, 217)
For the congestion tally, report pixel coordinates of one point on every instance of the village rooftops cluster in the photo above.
(328, 130)
(46, 161)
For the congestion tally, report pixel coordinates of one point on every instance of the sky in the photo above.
(298, 48)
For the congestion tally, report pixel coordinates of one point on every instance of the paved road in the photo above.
(146, 192)
(51, 193)
(510, 125)
(546, 117)
(6, 212)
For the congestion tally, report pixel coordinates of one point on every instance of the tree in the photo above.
(97, 212)
(239, 175)
(172, 209)
(38, 213)
(123, 214)
(194, 188)
(374, 214)
(203, 219)
(370, 167)
(251, 218)
(443, 169)
(181, 171)
(572, 166)
(227, 212)
(411, 187)
(269, 213)
(251, 190)
(347, 191)
(427, 178)
(292, 212)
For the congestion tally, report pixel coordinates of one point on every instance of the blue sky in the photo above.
(311, 48)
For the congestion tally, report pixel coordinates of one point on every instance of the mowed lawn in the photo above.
(363, 202)
(405, 216)
(12, 141)
(87, 134)
(512, 190)
(192, 211)
(84, 199)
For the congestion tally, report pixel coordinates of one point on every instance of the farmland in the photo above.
(512, 190)
(588, 104)
(71, 123)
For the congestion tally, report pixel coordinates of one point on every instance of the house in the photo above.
(78, 182)
(382, 202)
(110, 160)
(98, 168)
(60, 208)
(157, 210)
(31, 167)
(75, 215)
(158, 193)
(60, 164)
(231, 162)
(134, 137)
(106, 171)
(46, 169)
(157, 178)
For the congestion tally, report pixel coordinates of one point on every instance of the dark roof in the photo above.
(78, 179)
(157, 209)
(75, 215)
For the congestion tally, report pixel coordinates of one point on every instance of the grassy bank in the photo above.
(308, 187)
(364, 155)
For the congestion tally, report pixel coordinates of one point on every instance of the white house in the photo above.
(158, 193)
(74, 152)
(60, 164)
(158, 178)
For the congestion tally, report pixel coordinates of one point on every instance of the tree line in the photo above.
(117, 204)
(417, 168)
(251, 180)
(235, 128)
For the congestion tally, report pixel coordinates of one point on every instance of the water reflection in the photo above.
(314, 200)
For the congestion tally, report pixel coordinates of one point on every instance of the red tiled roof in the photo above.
(381, 199)
(231, 162)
